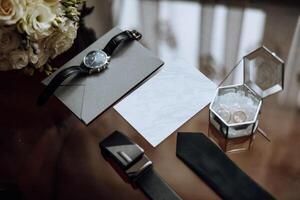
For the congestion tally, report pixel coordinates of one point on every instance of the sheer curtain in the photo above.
(291, 94)
(208, 36)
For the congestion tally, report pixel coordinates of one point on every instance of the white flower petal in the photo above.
(37, 22)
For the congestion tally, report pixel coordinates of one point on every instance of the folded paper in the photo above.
(167, 101)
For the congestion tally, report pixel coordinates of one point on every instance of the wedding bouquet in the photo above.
(32, 32)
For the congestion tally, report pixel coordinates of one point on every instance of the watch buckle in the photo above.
(138, 168)
(136, 34)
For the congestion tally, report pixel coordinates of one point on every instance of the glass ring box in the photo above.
(234, 111)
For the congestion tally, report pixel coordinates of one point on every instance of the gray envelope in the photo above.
(89, 96)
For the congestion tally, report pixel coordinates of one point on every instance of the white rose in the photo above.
(52, 46)
(4, 63)
(18, 59)
(9, 40)
(51, 2)
(11, 11)
(33, 1)
(37, 22)
(57, 8)
(62, 39)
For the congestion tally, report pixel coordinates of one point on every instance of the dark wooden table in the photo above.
(48, 153)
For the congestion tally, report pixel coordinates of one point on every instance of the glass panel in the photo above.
(235, 132)
(263, 72)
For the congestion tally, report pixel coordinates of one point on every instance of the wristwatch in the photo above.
(94, 62)
(134, 167)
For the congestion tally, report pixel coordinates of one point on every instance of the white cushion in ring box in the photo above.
(89, 96)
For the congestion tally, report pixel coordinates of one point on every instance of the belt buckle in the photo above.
(138, 168)
(135, 166)
(136, 34)
(126, 154)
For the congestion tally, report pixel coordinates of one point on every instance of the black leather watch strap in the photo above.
(57, 81)
(154, 187)
(120, 38)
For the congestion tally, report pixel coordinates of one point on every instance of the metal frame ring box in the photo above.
(234, 111)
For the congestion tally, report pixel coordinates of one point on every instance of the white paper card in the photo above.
(166, 101)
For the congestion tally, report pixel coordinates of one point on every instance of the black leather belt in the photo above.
(137, 167)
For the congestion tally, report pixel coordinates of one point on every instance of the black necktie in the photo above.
(216, 169)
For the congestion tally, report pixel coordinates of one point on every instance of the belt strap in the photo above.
(136, 165)
(216, 169)
(154, 187)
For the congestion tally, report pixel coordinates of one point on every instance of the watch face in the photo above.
(95, 59)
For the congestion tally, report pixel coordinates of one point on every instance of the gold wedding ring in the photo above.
(239, 116)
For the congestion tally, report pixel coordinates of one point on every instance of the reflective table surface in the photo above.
(48, 153)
